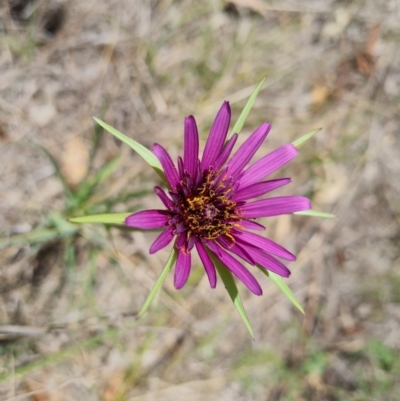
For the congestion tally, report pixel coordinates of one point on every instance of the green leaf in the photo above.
(281, 284)
(305, 138)
(109, 218)
(315, 213)
(147, 155)
(245, 112)
(167, 268)
(230, 285)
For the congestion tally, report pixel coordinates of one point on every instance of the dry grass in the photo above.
(67, 306)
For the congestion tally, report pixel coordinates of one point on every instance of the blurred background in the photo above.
(69, 294)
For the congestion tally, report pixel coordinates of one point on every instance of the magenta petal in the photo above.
(181, 240)
(162, 240)
(167, 164)
(275, 206)
(182, 269)
(164, 197)
(191, 242)
(148, 219)
(207, 263)
(191, 146)
(226, 151)
(266, 244)
(268, 262)
(252, 225)
(258, 189)
(236, 268)
(216, 138)
(226, 243)
(181, 168)
(248, 149)
(267, 165)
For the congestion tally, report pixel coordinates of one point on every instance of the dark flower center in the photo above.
(206, 210)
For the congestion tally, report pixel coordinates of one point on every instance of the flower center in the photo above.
(206, 211)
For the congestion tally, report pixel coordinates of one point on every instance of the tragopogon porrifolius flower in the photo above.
(211, 203)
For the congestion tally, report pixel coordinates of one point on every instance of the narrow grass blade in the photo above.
(230, 285)
(34, 236)
(304, 138)
(109, 218)
(97, 136)
(281, 284)
(90, 279)
(70, 260)
(57, 170)
(122, 198)
(106, 170)
(58, 221)
(147, 155)
(86, 188)
(167, 268)
(315, 213)
(60, 356)
(245, 112)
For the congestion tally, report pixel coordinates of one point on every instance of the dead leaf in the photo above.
(75, 160)
(3, 134)
(37, 391)
(257, 6)
(114, 387)
(364, 60)
(372, 38)
(319, 94)
(365, 64)
(197, 390)
(314, 380)
(347, 347)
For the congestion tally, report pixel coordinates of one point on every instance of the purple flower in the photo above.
(210, 204)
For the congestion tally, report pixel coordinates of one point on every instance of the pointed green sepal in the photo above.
(147, 155)
(230, 285)
(315, 213)
(167, 268)
(109, 218)
(304, 138)
(245, 112)
(281, 284)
